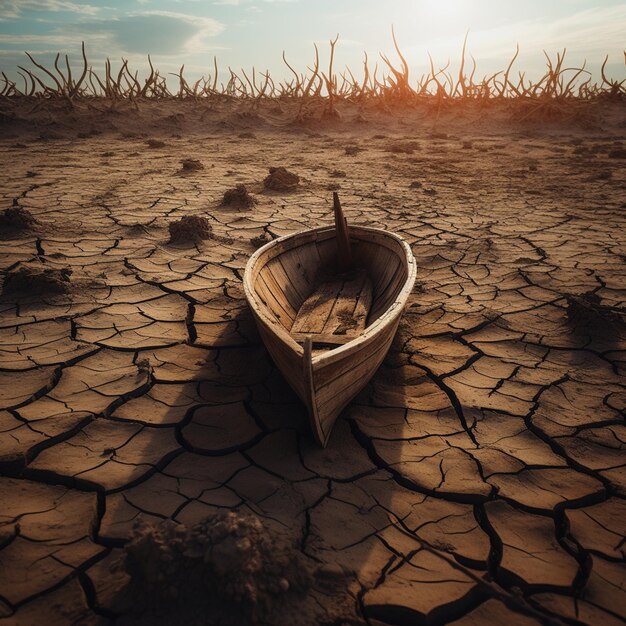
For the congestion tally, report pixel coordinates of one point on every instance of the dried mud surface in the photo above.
(479, 478)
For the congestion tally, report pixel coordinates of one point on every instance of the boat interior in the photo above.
(304, 289)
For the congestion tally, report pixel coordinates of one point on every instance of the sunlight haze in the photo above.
(247, 33)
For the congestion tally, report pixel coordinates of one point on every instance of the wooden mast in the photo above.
(344, 251)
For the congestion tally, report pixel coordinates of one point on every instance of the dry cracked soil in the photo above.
(478, 479)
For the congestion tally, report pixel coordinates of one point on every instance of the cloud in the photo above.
(153, 32)
(38, 40)
(12, 9)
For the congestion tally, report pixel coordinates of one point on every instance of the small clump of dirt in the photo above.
(144, 366)
(281, 179)
(228, 567)
(346, 322)
(16, 218)
(90, 133)
(136, 230)
(617, 153)
(605, 175)
(403, 147)
(238, 197)
(155, 143)
(35, 281)
(260, 240)
(191, 165)
(353, 150)
(337, 174)
(189, 228)
(415, 185)
(587, 313)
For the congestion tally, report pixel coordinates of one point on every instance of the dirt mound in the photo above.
(191, 165)
(189, 228)
(136, 230)
(228, 566)
(35, 281)
(238, 197)
(281, 179)
(17, 218)
(353, 150)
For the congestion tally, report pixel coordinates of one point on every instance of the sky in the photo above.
(247, 33)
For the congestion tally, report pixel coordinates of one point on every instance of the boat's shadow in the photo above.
(396, 515)
(368, 509)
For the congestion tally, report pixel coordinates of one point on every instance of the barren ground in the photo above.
(479, 478)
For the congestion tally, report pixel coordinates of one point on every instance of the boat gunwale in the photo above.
(394, 310)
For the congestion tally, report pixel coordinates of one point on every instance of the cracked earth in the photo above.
(479, 478)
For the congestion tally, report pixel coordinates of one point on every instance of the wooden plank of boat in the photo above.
(336, 307)
(328, 332)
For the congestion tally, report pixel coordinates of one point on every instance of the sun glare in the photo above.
(439, 9)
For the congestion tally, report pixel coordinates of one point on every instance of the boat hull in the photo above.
(326, 381)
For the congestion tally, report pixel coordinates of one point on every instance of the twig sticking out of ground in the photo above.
(560, 85)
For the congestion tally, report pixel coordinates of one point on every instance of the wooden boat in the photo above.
(327, 303)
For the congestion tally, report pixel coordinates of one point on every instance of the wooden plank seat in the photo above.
(337, 310)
